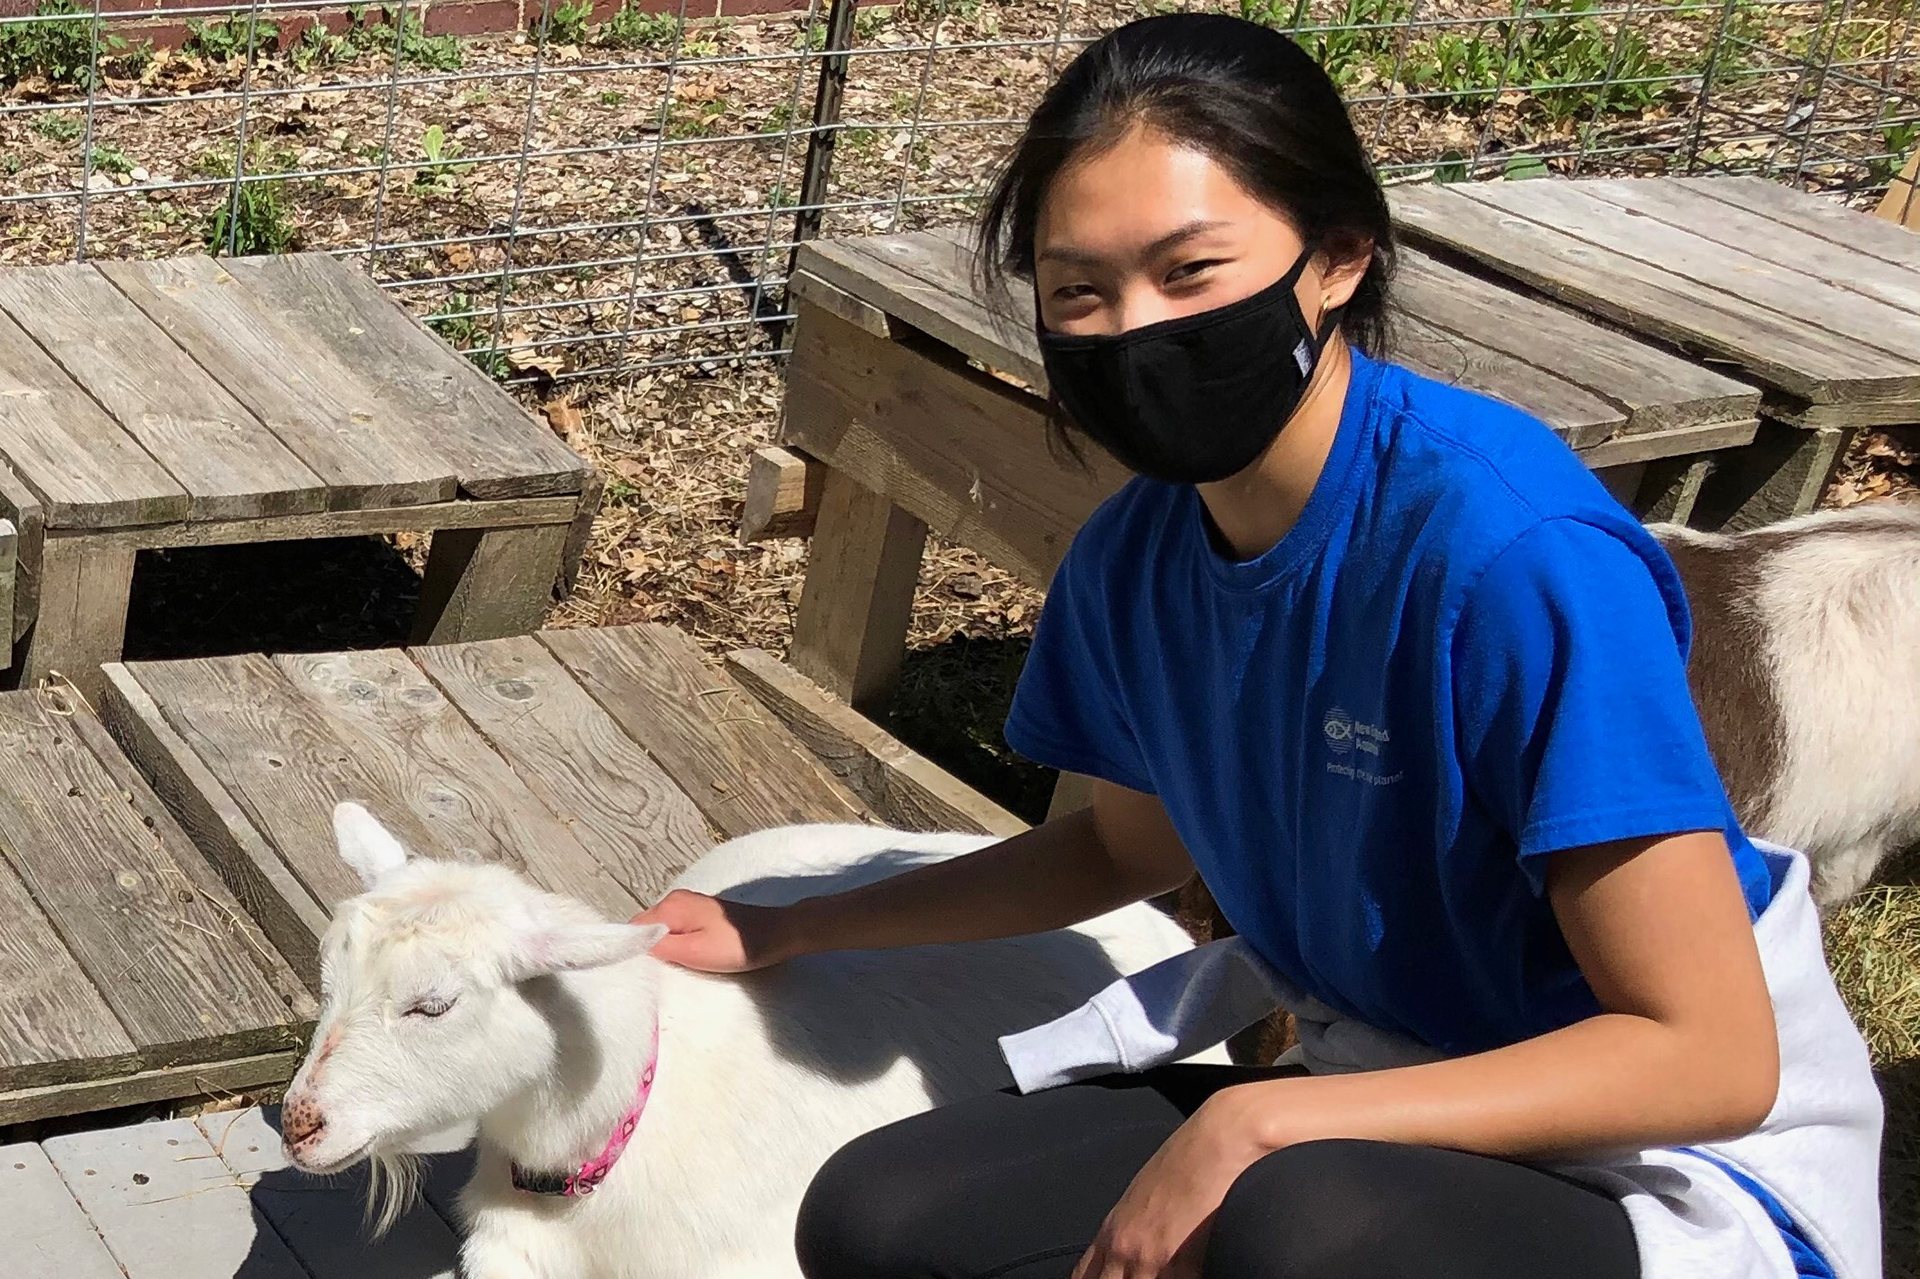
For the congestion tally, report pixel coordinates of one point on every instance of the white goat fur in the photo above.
(759, 1079)
(1836, 595)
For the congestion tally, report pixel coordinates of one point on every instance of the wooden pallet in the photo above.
(1816, 303)
(192, 403)
(598, 762)
(128, 971)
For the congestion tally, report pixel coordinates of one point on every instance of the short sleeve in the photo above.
(1574, 719)
(1069, 708)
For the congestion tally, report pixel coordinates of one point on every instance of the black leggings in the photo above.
(1012, 1187)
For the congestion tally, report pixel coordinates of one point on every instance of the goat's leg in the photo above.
(1841, 873)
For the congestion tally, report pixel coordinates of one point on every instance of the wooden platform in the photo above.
(209, 1198)
(1816, 303)
(165, 877)
(195, 403)
(918, 401)
(128, 972)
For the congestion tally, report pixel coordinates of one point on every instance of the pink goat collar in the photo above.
(576, 1185)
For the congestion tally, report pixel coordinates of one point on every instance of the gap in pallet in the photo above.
(274, 597)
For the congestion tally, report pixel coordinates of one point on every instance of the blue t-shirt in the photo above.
(1464, 657)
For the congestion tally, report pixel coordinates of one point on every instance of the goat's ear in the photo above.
(544, 952)
(365, 844)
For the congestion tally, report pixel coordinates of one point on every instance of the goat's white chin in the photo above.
(326, 1166)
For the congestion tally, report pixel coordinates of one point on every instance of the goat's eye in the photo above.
(430, 1008)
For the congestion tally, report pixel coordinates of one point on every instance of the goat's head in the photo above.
(428, 1016)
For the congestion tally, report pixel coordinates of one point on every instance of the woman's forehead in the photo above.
(1124, 201)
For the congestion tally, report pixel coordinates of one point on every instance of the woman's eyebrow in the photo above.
(1067, 253)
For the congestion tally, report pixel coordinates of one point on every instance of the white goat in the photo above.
(1806, 672)
(457, 994)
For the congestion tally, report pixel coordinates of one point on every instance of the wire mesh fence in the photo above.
(605, 191)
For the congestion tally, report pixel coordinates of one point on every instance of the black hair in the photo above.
(1247, 96)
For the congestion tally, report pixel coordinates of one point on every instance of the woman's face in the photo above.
(1152, 230)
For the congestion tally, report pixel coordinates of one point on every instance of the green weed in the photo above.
(612, 98)
(254, 218)
(234, 38)
(931, 10)
(869, 23)
(568, 22)
(60, 48)
(406, 39)
(1898, 142)
(453, 321)
(633, 28)
(111, 159)
(58, 126)
(318, 47)
(442, 167)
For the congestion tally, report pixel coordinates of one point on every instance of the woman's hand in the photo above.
(1158, 1230)
(716, 936)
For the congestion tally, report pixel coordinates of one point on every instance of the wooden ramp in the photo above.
(128, 972)
(210, 1198)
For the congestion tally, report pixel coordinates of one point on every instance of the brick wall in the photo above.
(449, 17)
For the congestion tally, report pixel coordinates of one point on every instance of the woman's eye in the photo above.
(1187, 270)
(430, 1008)
(1074, 292)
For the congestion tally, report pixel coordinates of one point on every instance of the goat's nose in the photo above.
(301, 1120)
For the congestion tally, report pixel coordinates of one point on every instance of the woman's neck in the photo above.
(1253, 510)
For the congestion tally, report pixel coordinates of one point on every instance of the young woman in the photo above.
(1387, 666)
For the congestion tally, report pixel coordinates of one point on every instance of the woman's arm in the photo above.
(1685, 1050)
(1120, 850)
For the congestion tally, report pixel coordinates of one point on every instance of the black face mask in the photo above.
(1194, 399)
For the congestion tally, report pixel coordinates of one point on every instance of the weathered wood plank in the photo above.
(103, 861)
(305, 396)
(85, 584)
(783, 495)
(429, 759)
(580, 532)
(620, 805)
(48, 1237)
(1781, 352)
(963, 452)
(510, 513)
(9, 571)
(1575, 414)
(1670, 488)
(814, 291)
(439, 404)
(1655, 389)
(1812, 214)
(323, 1221)
(1680, 441)
(298, 1006)
(252, 871)
(1780, 475)
(273, 752)
(850, 629)
(488, 583)
(925, 281)
(731, 758)
(86, 471)
(166, 1205)
(19, 504)
(1762, 237)
(231, 466)
(1569, 208)
(904, 788)
(263, 1070)
(54, 1027)
(1901, 203)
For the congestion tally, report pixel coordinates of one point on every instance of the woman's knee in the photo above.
(871, 1209)
(1303, 1212)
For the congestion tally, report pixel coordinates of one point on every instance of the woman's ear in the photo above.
(1342, 267)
